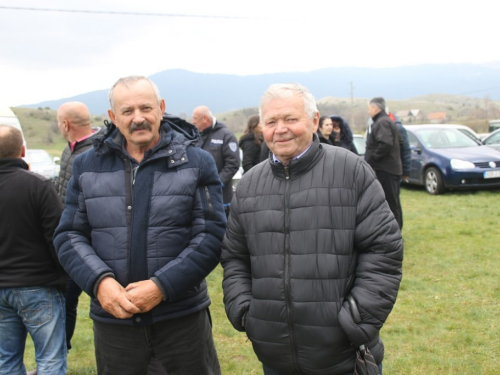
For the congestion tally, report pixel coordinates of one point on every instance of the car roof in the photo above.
(438, 126)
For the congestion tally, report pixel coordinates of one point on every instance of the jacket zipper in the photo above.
(209, 202)
(129, 169)
(288, 297)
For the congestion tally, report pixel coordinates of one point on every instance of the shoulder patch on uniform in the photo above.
(233, 146)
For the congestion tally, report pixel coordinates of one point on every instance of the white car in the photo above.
(42, 163)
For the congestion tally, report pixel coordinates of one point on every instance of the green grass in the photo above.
(447, 316)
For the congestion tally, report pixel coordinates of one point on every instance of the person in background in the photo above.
(325, 130)
(32, 280)
(73, 121)
(384, 155)
(404, 146)
(250, 143)
(343, 134)
(141, 230)
(220, 142)
(309, 229)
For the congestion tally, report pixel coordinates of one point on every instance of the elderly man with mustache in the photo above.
(141, 230)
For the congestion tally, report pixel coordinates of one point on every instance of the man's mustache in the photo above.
(145, 125)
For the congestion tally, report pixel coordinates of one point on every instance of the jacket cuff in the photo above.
(162, 289)
(96, 285)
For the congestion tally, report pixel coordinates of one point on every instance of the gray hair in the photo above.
(286, 91)
(379, 102)
(11, 141)
(126, 81)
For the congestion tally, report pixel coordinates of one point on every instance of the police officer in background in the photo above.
(221, 143)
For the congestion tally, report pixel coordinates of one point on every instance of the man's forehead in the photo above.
(283, 107)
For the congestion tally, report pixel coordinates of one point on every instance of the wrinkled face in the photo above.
(373, 110)
(327, 128)
(137, 114)
(288, 130)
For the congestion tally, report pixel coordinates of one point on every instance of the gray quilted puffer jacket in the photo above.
(299, 240)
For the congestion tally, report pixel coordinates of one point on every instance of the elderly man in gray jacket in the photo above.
(308, 228)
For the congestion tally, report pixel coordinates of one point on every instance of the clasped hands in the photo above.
(123, 303)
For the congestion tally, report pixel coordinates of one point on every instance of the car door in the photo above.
(417, 159)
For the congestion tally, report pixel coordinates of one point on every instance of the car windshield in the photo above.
(445, 138)
(36, 157)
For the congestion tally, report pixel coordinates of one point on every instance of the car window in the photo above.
(360, 144)
(445, 138)
(493, 140)
(412, 140)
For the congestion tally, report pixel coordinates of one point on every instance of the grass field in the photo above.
(446, 319)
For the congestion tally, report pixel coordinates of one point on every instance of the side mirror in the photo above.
(416, 149)
(56, 159)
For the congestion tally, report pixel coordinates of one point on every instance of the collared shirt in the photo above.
(73, 144)
(276, 160)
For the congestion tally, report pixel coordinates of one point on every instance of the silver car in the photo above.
(42, 163)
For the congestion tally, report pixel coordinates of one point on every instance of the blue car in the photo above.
(444, 158)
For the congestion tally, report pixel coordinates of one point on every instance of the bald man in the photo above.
(221, 143)
(73, 120)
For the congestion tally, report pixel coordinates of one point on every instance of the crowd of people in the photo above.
(144, 209)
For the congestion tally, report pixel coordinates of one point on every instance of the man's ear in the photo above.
(111, 116)
(23, 151)
(315, 122)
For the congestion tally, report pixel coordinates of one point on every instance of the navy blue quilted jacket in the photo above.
(167, 224)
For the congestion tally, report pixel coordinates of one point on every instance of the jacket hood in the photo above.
(172, 129)
(346, 132)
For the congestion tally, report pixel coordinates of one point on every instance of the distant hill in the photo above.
(184, 90)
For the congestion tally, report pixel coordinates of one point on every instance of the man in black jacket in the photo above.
(221, 143)
(384, 155)
(31, 278)
(307, 229)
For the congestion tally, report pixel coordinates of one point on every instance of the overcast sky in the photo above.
(51, 54)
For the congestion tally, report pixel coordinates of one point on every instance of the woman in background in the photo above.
(250, 143)
(343, 134)
(325, 130)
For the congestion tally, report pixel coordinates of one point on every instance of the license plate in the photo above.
(491, 174)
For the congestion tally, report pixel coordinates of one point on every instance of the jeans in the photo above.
(40, 312)
(183, 346)
(73, 292)
(268, 371)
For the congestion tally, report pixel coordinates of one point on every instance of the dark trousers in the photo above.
(390, 184)
(268, 371)
(182, 346)
(73, 292)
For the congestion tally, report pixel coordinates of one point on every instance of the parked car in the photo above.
(360, 144)
(444, 158)
(42, 163)
(239, 174)
(493, 140)
(467, 131)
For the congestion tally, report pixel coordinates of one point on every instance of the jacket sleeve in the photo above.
(230, 157)
(235, 260)
(202, 254)
(404, 145)
(50, 209)
(72, 239)
(383, 138)
(378, 242)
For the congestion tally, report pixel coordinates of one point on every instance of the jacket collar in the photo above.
(298, 167)
(13, 163)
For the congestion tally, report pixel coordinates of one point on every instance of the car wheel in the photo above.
(434, 183)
